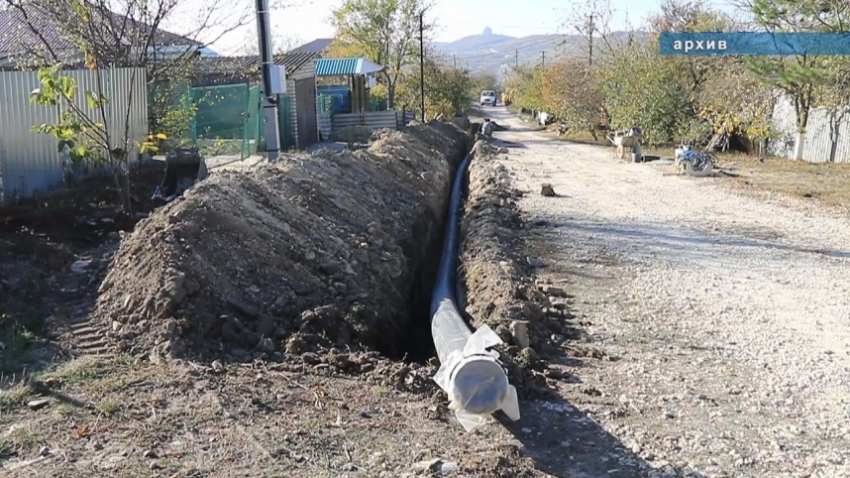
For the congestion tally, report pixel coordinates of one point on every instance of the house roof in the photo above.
(17, 35)
(346, 66)
(318, 45)
(237, 65)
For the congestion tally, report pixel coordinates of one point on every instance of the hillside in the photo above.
(493, 53)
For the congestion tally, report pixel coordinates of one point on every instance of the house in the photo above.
(227, 70)
(297, 108)
(34, 35)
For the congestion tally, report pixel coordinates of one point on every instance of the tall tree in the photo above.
(120, 33)
(572, 93)
(383, 31)
(591, 20)
(447, 88)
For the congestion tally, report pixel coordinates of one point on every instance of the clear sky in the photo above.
(455, 19)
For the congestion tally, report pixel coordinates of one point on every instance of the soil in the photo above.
(498, 278)
(343, 411)
(40, 238)
(290, 258)
(355, 134)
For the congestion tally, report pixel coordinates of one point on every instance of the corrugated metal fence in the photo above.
(329, 123)
(372, 119)
(30, 162)
(827, 137)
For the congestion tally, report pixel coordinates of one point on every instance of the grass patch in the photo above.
(110, 406)
(20, 326)
(91, 368)
(14, 398)
(825, 182)
(584, 137)
(100, 375)
(23, 437)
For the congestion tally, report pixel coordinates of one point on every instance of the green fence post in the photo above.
(193, 132)
(246, 142)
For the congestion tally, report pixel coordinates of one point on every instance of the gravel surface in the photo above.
(724, 321)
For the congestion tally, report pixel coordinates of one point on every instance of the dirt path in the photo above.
(724, 320)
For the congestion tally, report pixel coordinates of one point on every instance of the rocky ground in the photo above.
(720, 318)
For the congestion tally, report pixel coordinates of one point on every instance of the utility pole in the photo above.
(516, 58)
(269, 101)
(455, 60)
(422, 62)
(590, 41)
(544, 58)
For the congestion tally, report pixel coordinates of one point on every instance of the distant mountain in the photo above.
(493, 53)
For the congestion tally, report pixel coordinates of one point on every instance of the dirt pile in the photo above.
(313, 252)
(498, 280)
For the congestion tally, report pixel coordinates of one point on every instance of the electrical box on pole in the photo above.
(270, 115)
(277, 77)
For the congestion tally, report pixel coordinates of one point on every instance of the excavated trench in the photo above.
(417, 344)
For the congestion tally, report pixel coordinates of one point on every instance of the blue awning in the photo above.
(346, 66)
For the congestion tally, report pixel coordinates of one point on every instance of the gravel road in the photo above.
(724, 321)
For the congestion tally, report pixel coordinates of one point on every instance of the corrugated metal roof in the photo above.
(226, 65)
(295, 60)
(337, 66)
(16, 35)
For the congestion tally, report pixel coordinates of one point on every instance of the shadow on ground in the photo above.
(687, 241)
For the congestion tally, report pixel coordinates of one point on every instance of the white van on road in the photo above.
(488, 97)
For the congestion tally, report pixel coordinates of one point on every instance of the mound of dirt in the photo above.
(498, 280)
(312, 252)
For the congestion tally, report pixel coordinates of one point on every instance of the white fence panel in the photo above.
(827, 137)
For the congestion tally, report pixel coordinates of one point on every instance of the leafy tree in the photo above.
(383, 31)
(726, 96)
(447, 89)
(653, 95)
(125, 33)
(120, 33)
(481, 82)
(82, 128)
(572, 93)
(528, 86)
(693, 16)
(738, 102)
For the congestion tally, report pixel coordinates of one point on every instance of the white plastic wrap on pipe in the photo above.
(469, 373)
